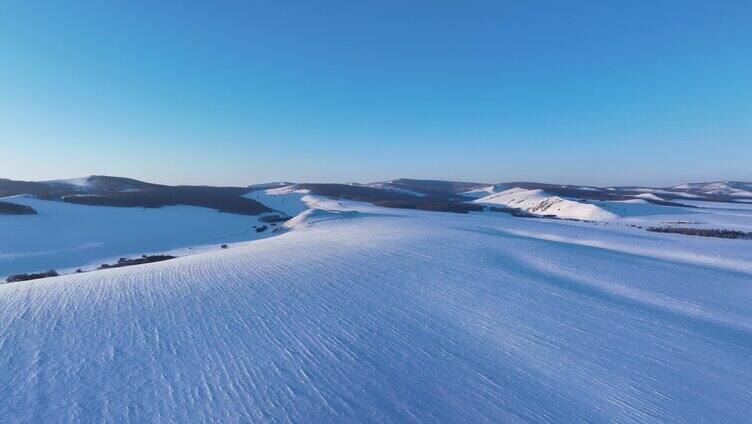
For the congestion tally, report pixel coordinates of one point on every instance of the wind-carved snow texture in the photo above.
(363, 314)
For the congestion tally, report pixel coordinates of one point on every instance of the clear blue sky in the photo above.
(595, 92)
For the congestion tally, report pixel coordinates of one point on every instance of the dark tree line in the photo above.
(7, 208)
(703, 232)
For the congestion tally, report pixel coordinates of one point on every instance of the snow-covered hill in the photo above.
(718, 188)
(481, 192)
(729, 191)
(644, 209)
(395, 187)
(97, 184)
(649, 196)
(540, 203)
(365, 314)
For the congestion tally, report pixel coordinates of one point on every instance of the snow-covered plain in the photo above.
(364, 314)
(730, 216)
(65, 235)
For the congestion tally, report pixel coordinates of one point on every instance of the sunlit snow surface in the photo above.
(363, 314)
(288, 200)
(539, 202)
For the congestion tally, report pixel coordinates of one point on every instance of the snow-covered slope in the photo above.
(480, 192)
(540, 203)
(288, 199)
(362, 314)
(82, 183)
(266, 186)
(649, 196)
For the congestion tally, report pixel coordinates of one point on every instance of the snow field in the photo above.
(373, 315)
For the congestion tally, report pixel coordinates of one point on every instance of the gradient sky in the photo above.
(590, 92)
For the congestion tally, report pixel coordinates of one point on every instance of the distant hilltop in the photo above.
(453, 196)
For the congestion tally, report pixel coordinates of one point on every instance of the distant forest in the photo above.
(7, 208)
